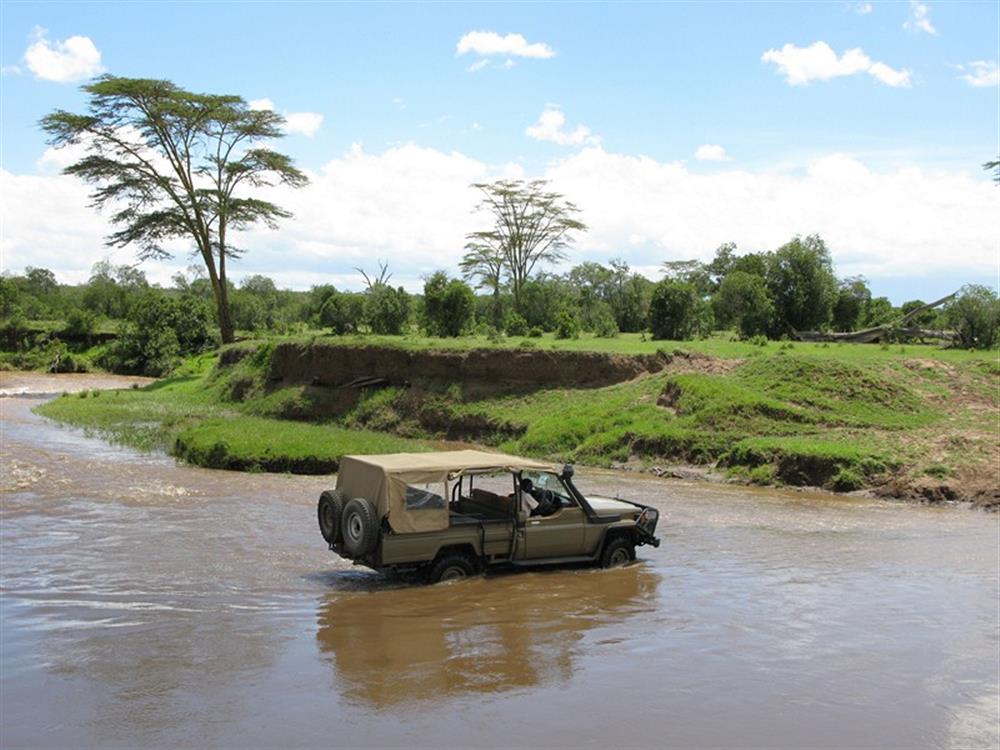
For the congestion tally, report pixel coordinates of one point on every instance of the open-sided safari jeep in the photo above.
(451, 514)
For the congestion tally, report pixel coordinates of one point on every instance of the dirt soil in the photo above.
(480, 370)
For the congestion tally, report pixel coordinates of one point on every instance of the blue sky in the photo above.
(849, 146)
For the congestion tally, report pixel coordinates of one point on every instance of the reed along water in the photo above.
(150, 604)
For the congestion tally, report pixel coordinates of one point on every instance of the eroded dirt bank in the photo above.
(478, 370)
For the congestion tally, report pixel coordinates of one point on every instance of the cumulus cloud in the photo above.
(488, 43)
(65, 61)
(711, 152)
(919, 19)
(980, 73)
(819, 62)
(413, 206)
(550, 128)
(303, 123)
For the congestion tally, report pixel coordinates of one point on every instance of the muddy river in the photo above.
(149, 604)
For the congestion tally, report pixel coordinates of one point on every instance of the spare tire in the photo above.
(359, 527)
(330, 509)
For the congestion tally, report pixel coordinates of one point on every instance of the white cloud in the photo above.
(550, 128)
(413, 206)
(10, 70)
(302, 123)
(711, 152)
(919, 19)
(487, 43)
(863, 9)
(819, 62)
(65, 61)
(980, 73)
(478, 65)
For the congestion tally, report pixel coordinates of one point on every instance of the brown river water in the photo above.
(150, 604)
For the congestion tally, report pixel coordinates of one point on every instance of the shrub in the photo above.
(846, 480)
(387, 309)
(673, 310)
(449, 306)
(535, 332)
(343, 312)
(975, 316)
(517, 325)
(80, 325)
(567, 326)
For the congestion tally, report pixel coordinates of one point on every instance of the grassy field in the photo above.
(839, 416)
(723, 345)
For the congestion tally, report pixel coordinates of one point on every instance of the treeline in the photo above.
(125, 324)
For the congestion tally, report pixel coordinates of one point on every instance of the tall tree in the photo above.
(176, 164)
(484, 264)
(531, 225)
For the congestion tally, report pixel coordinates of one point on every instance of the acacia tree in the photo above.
(485, 264)
(531, 226)
(176, 164)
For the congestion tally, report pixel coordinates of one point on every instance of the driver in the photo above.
(537, 502)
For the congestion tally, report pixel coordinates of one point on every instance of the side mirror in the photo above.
(567, 471)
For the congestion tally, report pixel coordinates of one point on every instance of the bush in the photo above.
(567, 326)
(673, 312)
(449, 306)
(157, 332)
(517, 325)
(975, 316)
(80, 325)
(387, 309)
(343, 312)
(846, 480)
(605, 326)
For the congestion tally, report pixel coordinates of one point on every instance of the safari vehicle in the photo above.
(451, 514)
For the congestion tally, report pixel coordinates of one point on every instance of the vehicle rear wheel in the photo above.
(330, 509)
(359, 527)
(618, 552)
(451, 568)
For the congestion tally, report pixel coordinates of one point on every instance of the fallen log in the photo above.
(887, 331)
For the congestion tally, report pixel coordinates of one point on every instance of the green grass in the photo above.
(841, 416)
(722, 345)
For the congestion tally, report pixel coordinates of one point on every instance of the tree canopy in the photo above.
(176, 164)
(531, 226)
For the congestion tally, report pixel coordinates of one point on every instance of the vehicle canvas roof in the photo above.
(383, 478)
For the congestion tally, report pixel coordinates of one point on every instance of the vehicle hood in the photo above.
(609, 505)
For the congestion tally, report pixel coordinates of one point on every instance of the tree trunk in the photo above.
(222, 302)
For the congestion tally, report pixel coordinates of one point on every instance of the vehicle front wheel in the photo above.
(617, 553)
(451, 568)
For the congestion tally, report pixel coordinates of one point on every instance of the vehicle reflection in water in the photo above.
(494, 635)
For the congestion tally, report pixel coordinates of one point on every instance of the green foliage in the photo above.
(852, 298)
(567, 326)
(387, 309)
(743, 300)
(975, 316)
(157, 332)
(801, 281)
(342, 312)
(170, 161)
(449, 306)
(80, 324)
(517, 325)
(673, 311)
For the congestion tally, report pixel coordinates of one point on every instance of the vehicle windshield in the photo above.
(551, 482)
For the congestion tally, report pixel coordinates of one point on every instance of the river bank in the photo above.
(911, 427)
